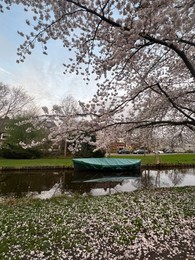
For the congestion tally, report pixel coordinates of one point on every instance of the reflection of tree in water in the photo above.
(176, 175)
(3, 180)
(18, 184)
(146, 181)
(149, 180)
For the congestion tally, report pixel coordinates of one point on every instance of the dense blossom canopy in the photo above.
(141, 52)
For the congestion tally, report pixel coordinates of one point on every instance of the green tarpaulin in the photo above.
(113, 164)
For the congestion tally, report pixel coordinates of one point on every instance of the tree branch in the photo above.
(173, 47)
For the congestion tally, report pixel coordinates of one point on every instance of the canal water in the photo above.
(46, 184)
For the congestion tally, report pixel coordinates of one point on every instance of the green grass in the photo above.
(109, 227)
(35, 162)
(145, 159)
(163, 158)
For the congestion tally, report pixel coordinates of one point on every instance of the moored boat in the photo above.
(100, 167)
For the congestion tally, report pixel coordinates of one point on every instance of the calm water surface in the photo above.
(46, 184)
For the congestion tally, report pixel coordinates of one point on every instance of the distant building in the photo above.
(119, 144)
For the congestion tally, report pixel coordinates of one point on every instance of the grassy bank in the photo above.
(163, 158)
(67, 162)
(155, 224)
(18, 163)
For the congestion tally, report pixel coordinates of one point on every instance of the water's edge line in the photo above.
(159, 166)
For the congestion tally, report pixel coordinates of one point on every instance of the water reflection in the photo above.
(160, 178)
(18, 184)
(153, 179)
(51, 183)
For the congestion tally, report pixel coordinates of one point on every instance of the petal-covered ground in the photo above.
(146, 224)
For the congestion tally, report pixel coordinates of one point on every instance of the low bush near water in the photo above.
(16, 152)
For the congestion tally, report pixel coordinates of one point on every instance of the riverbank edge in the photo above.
(159, 166)
(36, 168)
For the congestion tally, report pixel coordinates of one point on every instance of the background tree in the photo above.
(23, 139)
(144, 49)
(64, 124)
(13, 101)
(70, 132)
(88, 149)
(69, 106)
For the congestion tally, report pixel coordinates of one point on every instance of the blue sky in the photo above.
(40, 76)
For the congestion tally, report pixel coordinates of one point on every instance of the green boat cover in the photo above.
(105, 164)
